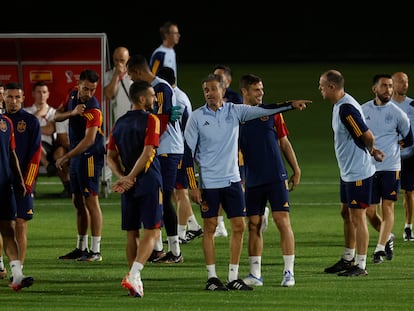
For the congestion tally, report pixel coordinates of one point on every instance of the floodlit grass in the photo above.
(318, 228)
(71, 285)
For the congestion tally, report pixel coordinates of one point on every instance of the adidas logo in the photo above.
(206, 123)
(237, 285)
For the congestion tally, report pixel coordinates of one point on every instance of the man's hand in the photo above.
(195, 195)
(123, 184)
(78, 110)
(377, 154)
(300, 103)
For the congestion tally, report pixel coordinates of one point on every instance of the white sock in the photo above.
(211, 271)
(349, 254)
(408, 226)
(182, 229)
(158, 245)
(82, 243)
(135, 272)
(192, 223)
(174, 245)
(220, 221)
(1, 263)
(289, 261)
(379, 248)
(16, 269)
(361, 261)
(233, 272)
(96, 244)
(255, 263)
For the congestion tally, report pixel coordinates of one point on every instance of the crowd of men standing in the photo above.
(158, 145)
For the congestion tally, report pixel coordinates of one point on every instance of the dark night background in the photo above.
(219, 31)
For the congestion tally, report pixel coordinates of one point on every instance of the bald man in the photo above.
(117, 83)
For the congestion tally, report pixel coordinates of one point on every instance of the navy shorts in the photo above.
(231, 199)
(25, 207)
(85, 173)
(407, 179)
(144, 210)
(181, 181)
(357, 194)
(386, 185)
(276, 193)
(169, 165)
(8, 202)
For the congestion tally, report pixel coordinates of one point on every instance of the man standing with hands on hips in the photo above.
(354, 147)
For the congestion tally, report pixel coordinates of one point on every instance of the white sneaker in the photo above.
(220, 231)
(265, 220)
(288, 279)
(135, 287)
(251, 280)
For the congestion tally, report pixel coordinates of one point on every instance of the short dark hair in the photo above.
(377, 77)
(167, 74)
(39, 83)
(225, 68)
(137, 60)
(138, 89)
(89, 75)
(249, 79)
(13, 86)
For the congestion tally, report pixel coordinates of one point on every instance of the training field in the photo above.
(71, 285)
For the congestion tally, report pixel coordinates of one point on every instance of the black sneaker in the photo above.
(354, 271)
(377, 257)
(155, 255)
(75, 254)
(169, 258)
(26, 281)
(215, 284)
(238, 285)
(192, 234)
(341, 265)
(389, 247)
(408, 234)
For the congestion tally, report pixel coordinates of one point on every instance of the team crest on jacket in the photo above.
(21, 126)
(264, 118)
(3, 125)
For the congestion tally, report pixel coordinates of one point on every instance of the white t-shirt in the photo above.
(120, 104)
(50, 116)
(164, 57)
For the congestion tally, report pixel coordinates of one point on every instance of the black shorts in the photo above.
(49, 151)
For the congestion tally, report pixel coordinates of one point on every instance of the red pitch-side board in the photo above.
(56, 59)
